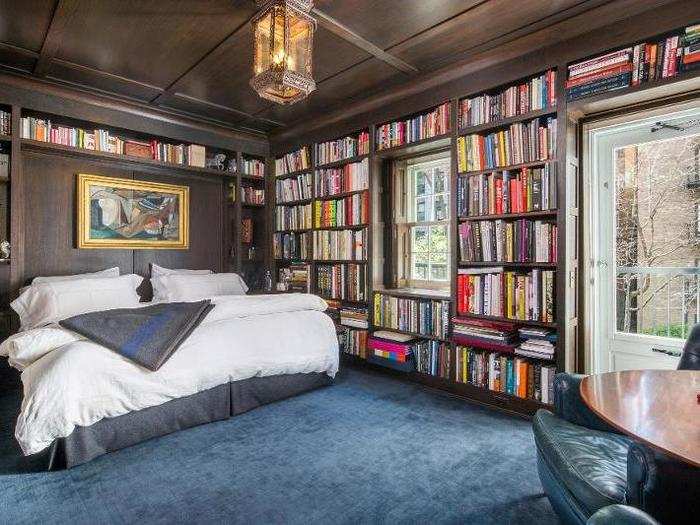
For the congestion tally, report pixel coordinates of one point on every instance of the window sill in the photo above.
(415, 292)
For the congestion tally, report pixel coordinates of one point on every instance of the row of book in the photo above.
(297, 277)
(498, 193)
(293, 161)
(341, 149)
(508, 241)
(535, 94)
(351, 177)
(433, 358)
(294, 188)
(354, 317)
(425, 126)
(291, 246)
(634, 65)
(5, 122)
(102, 140)
(353, 342)
(293, 217)
(512, 295)
(253, 167)
(417, 315)
(342, 281)
(252, 195)
(519, 143)
(506, 374)
(538, 343)
(340, 245)
(352, 210)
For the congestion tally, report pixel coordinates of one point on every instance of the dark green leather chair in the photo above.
(585, 465)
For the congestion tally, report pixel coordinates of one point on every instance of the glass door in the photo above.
(643, 239)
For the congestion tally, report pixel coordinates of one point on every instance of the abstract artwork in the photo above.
(131, 214)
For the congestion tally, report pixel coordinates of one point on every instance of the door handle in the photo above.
(672, 353)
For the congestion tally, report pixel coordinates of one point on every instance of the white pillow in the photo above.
(109, 272)
(179, 288)
(49, 302)
(159, 294)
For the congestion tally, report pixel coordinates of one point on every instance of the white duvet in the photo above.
(70, 381)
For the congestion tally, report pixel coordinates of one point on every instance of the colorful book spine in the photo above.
(332, 245)
(418, 316)
(334, 181)
(342, 281)
(294, 161)
(424, 126)
(293, 189)
(342, 149)
(508, 241)
(293, 217)
(292, 246)
(348, 211)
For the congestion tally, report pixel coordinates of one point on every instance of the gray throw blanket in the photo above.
(148, 336)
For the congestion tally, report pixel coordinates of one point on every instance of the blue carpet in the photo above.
(368, 449)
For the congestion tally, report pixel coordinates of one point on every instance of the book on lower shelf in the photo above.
(353, 341)
(537, 343)
(422, 355)
(498, 240)
(523, 296)
(293, 217)
(519, 143)
(354, 317)
(342, 281)
(294, 188)
(291, 245)
(253, 167)
(424, 126)
(429, 317)
(336, 245)
(252, 195)
(513, 375)
(518, 191)
(348, 211)
(297, 276)
(485, 334)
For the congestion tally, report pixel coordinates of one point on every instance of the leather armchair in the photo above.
(621, 515)
(690, 359)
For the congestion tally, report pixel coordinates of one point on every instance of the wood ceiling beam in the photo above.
(62, 15)
(347, 34)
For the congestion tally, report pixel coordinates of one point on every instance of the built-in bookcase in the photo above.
(5, 171)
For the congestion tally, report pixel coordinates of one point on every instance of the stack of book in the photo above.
(5, 122)
(501, 373)
(354, 317)
(425, 126)
(252, 195)
(295, 161)
(354, 342)
(292, 246)
(433, 358)
(341, 149)
(518, 144)
(341, 281)
(535, 94)
(513, 295)
(294, 188)
(333, 311)
(253, 167)
(299, 278)
(496, 193)
(537, 342)
(351, 177)
(293, 217)
(501, 241)
(419, 316)
(482, 333)
(352, 210)
(691, 48)
(346, 245)
(392, 350)
(600, 74)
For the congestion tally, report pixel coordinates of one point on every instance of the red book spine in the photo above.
(499, 196)
(597, 75)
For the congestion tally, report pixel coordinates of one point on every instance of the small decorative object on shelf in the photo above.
(5, 122)
(4, 250)
(268, 281)
(283, 36)
(251, 253)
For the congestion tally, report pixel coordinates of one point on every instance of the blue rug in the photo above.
(368, 449)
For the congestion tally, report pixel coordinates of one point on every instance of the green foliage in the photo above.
(673, 330)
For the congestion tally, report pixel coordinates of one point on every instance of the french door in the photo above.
(642, 236)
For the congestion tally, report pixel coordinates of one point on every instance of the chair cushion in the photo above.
(590, 464)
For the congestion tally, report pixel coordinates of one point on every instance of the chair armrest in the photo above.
(568, 404)
(664, 487)
(621, 515)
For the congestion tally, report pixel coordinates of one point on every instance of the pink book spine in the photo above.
(396, 348)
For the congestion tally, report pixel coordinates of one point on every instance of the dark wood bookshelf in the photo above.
(301, 230)
(293, 261)
(294, 203)
(418, 146)
(5, 137)
(525, 117)
(339, 195)
(521, 215)
(252, 205)
(414, 293)
(378, 328)
(294, 173)
(342, 162)
(508, 320)
(339, 261)
(531, 264)
(252, 178)
(510, 167)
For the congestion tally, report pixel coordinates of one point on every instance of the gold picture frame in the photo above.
(132, 214)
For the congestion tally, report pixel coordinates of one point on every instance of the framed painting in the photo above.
(132, 214)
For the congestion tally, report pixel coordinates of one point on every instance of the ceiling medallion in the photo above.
(283, 37)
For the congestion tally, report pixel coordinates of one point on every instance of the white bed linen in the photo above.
(80, 382)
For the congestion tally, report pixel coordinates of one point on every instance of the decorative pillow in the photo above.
(158, 271)
(178, 288)
(49, 302)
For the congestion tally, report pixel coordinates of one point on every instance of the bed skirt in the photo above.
(215, 404)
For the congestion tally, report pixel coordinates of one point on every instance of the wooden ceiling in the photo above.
(194, 56)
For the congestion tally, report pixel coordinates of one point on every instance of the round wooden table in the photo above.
(658, 407)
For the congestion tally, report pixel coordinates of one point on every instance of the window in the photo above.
(423, 220)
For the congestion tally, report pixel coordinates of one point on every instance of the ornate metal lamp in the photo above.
(283, 35)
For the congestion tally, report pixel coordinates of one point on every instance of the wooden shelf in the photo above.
(522, 215)
(339, 261)
(346, 301)
(5, 137)
(419, 146)
(340, 195)
(340, 228)
(507, 168)
(377, 328)
(301, 230)
(414, 293)
(104, 155)
(252, 205)
(508, 264)
(294, 203)
(293, 261)
(532, 115)
(252, 178)
(293, 173)
(343, 162)
(508, 320)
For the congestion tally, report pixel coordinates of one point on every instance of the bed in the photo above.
(82, 400)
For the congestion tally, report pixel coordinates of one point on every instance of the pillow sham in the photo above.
(179, 288)
(49, 302)
(109, 272)
(159, 294)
